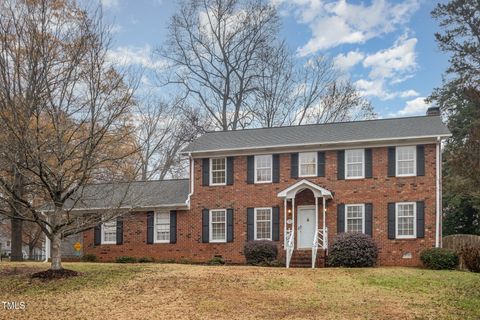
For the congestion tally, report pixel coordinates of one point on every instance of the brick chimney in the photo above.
(433, 111)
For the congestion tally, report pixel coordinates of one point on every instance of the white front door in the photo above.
(306, 227)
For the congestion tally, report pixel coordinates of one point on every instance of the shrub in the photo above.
(216, 261)
(439, 259)
(260, 252)
(89, 257)
(167, 261)
(353, 250)
(146, 260)
(471, 257)
(125, 259)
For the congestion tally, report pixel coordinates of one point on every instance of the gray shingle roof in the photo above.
(135, 195)
(339, 132)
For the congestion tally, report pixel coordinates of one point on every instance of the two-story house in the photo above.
(297, 186)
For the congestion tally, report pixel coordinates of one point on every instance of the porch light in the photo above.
(289, 210)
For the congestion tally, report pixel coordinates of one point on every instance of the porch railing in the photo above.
(320, 239)
(289, 246)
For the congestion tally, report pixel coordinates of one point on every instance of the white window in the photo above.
(406, 161)
(162, 227)
(218, 225)
(355, 218)
(308, 164)
(354, 164)
(109, 232)
(406, 226)
(263, 224)
(218, 169)
(263, 169)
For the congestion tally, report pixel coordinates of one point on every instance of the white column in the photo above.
(285, 222)
(324, 222)
(293, 218)
(316, 215)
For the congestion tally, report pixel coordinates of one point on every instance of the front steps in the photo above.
(303, 259)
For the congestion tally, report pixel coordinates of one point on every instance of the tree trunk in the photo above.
(30, 252)
(56, 252)
(16, 239)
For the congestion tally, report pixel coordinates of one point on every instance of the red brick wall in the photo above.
(378, 190)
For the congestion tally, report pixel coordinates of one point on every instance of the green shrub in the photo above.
(353, 250)
(146, 260)
(260, 252)
(216, 261)
(89, 257)
(471, 257)
(439, 259)
(167, 261)
(125, 259)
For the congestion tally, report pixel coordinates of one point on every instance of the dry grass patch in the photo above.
(173, 291)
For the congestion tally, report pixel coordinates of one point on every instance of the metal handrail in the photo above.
(289, 246)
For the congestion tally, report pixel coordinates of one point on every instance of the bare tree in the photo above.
(64, 112)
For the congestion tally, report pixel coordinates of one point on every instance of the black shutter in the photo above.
(173, 226)
(391, 220)
(340, 218)
(275, 223)
(321, 164)
(294, 165)
(391, 162)
(420, 219)
(250, 224)
(368, 163)
(119, 230)
(205, 171)
(420, 160)
(205, 226)
(341, 164)
(250, 169)
(230, 170)
(97, 235)
(150, 225)
(229, 225)
(369, 219)
(275, 168)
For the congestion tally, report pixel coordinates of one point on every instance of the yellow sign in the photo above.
(77, 246)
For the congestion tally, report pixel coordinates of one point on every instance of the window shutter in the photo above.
(275, 168)
(97, 235)
(369, 219)
(391, 220)
(205, 172)
(321, 164)
(294, 165)
(229, 225)
(420, 219)
(119, 230)
(250, 224)
(368, 163)
(205, 226)
(275, 223)
(340, 218)
(341, 164)
(150, 226)
(230, 170)
(391, 162)
(250, 169)
(420, 160)
(173, 226)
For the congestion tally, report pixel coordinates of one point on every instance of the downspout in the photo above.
(438, 207)
(192, 176)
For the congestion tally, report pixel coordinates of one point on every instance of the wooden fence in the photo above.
(456, 242)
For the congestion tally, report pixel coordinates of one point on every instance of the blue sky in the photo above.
(386, 47)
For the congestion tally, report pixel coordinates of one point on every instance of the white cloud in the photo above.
(409, 93)
(374, 88)
(140, 56)
(347, 61)
(417, 106)
(110, 3)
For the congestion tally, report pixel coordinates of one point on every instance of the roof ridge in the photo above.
(136, 181)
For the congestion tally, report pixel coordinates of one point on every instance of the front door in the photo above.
(306, 227)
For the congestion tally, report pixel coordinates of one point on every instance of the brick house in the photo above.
(297, 186)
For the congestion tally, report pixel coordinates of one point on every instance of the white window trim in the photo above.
(363, 165)
(255, 168)
(255, 223)
(103, 234)
(211, 175)
(210, 233)
(414, 162)
(414, 236)
(363, 215)
(155, 240)
(300, 164)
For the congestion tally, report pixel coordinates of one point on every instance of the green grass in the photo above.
(176, 291)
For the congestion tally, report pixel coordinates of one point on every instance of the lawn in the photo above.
(178, 291)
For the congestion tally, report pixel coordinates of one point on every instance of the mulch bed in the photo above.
(55, 274)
